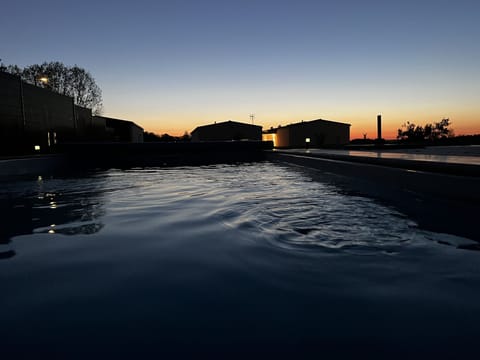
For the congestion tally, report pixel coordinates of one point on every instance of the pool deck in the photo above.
(455, 160)
(81, 156)
(31, 165)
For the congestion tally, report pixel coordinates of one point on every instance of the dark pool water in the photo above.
(252, 260)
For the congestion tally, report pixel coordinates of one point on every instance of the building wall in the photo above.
(11, 118)
(120, 130)
(283, 137)
(99, 129)
(49, 117)
(31, 116)
(270, 136)
(228, 130)
(319, 132)
(83, 122)
(136, 133)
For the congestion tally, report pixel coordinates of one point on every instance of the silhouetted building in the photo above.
(118, 130)
(314, 133)
(86, 129)
(34, 119)
(11, 115)
(227, 130)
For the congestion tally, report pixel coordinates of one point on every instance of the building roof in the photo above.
(223, 123)
(317, 120)
(118, 120)
(273, 130)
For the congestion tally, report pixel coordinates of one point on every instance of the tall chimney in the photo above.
(379, 127)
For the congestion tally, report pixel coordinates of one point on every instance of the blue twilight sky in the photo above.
(173, 65)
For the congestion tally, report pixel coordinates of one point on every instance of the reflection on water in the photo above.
(53, 206)
(260, 257)
(285, 208)
(318, 215)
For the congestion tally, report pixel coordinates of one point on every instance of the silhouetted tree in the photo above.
(430, 132)
(167, 138)
(11, 69)
(185, 137)
(150, 137)
(441, 130)
(70, 81)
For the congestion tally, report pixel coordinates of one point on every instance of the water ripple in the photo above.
(267, 204)
(290, 211)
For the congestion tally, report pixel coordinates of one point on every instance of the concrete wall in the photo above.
(34, 165)
(229, 130)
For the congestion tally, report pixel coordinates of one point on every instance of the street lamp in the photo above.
(307, 142)
(42, 79)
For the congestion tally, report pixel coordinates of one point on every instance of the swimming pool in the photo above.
(233, 260)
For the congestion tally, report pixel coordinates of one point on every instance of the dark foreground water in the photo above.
(231, 260)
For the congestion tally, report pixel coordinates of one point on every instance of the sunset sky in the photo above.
(173, 65)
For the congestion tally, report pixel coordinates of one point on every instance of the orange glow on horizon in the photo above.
(356, 132)
(176, 124)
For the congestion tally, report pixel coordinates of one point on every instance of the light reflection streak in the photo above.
(52, 230)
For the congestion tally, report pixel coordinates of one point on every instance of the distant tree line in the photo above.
(72, 81)
(152, 137)
(460, 140)
(409, 132)
(438, 133)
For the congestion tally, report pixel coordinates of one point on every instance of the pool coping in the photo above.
(416, 165)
